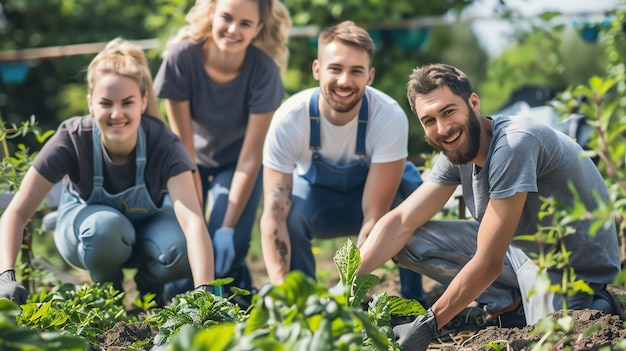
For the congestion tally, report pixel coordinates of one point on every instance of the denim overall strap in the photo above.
(314, 118)
(98, 178)
(141, 159)
(362, 128)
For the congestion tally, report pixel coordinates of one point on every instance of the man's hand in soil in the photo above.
(11, 289)
(417, 335)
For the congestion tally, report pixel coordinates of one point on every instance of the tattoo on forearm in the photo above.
(281, 198)
(281, 247)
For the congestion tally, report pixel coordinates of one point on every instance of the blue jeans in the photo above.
(216, 187)
(217, 182)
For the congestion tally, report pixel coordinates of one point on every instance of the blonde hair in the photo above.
(124, 58)
(271, 39)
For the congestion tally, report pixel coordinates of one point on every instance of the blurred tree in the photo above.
(54, 88)
(545, 55)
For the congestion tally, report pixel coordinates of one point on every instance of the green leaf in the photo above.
(363, 284)
(217, 337)
(402, 306)
(222, 281)
(347, 259)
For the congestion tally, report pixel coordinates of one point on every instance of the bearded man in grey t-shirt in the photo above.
(505, 165)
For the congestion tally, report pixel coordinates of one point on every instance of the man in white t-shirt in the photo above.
(335, 159)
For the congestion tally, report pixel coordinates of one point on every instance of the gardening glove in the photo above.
(205, 288)
(224, 247)
(11, 289)
(417, 335)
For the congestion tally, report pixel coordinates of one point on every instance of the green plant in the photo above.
(86, 311)
(14, 165)
(195, 308)
(21, 338)
(301, 314)
(354, 288)
(496, 345)
(298, 314)
(554, 254)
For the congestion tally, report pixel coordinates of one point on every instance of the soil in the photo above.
(123, 335)
(610, 328)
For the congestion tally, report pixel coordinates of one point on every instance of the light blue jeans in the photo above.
(102, 240)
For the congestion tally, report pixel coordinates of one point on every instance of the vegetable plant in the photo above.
(301, 314)
(86, 311)
(22, 338)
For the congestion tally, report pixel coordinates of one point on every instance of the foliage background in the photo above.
(545, 55)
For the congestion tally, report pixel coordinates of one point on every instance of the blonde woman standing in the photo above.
(221, 82)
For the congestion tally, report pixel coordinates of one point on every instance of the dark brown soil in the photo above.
(123, 335)
(610, 331)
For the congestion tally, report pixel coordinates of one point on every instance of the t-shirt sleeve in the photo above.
(178, 161)
(172, 80)
(56, 156)
(444, 172)
(389, 136)
(168, 153)
(267, 87)
(513, 165)
(283, 141)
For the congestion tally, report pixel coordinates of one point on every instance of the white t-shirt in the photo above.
(287, 142)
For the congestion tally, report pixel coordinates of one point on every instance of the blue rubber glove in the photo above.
(11, 289)
(224, 248)
(417, 335)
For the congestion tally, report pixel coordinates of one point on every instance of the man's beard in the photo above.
(468, 150)
(341, 107)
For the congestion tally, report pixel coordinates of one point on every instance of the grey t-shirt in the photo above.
(529, 156)
(68, 155)
(219, 112)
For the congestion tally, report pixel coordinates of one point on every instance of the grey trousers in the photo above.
(439, 249)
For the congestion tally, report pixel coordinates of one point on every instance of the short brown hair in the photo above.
(347, 33)
(425, 79)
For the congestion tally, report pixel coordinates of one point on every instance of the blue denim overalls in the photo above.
(327, 198)
(109, 232)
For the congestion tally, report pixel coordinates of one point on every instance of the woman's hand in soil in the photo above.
(11, 289)
(417, 335)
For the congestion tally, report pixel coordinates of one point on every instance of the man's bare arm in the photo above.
(274, 235)
(380, 189)
(393, 230)
(495, 233)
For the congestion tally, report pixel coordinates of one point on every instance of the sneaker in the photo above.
(511, 317)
